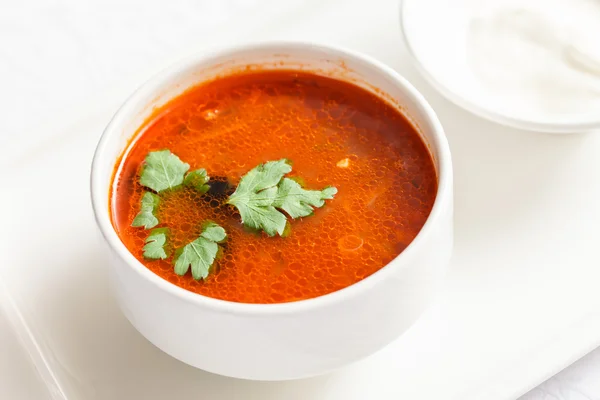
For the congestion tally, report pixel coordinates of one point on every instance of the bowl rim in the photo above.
(149, 88)
(563, 127)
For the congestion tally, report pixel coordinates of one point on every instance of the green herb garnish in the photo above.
(263, 191)
(156, 244)
(201, 253)
(146, 217)
(262, 197)
(198, 180)
(163, 170)
(299, 202)
(255, 195)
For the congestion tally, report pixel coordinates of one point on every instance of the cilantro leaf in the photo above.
(156, 242)
(255, 194)
(163, 170)
(146, 217)
(299, 202)
(201, 253)
(214, 232)
(197, 179)
(262, 177)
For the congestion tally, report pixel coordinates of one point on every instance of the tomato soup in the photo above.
(333, 133)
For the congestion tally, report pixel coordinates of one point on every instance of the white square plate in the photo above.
(520, 302)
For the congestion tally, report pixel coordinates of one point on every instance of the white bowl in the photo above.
(288, 340)
(436, 34)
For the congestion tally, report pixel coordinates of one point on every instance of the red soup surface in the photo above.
(334, 133)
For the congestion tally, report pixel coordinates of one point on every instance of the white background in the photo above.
(57, 55)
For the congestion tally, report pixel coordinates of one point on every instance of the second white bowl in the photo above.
(437, 34)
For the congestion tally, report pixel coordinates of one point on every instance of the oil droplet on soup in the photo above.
(334, 133)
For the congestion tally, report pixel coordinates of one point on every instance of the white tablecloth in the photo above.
(57, 54)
